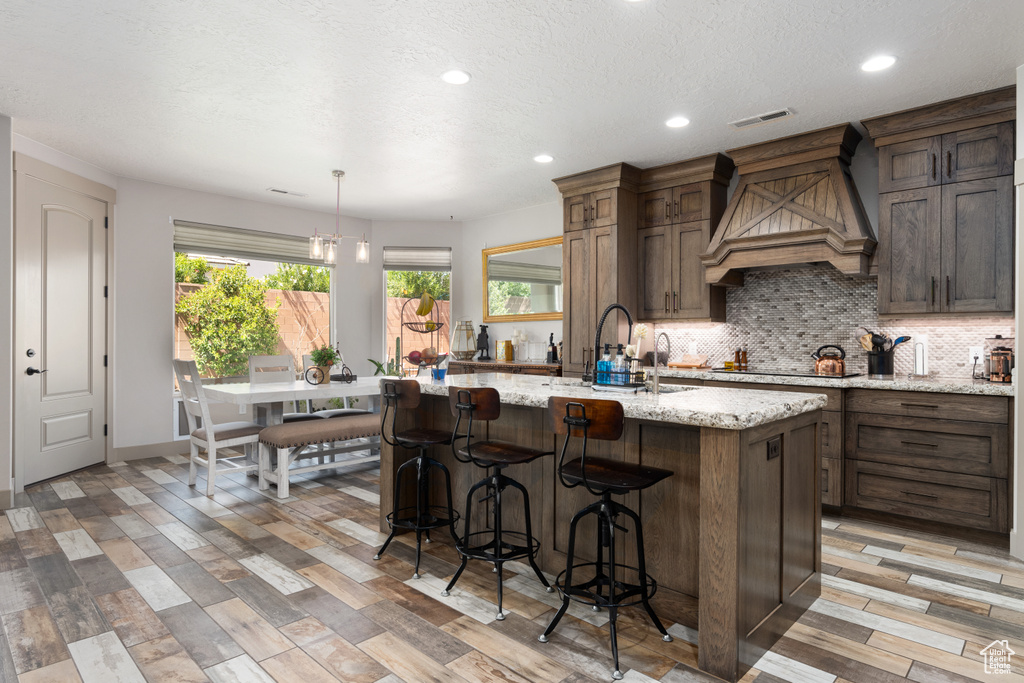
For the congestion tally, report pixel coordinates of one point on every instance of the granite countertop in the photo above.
(505, 362)
(694, 406)
(943, 385)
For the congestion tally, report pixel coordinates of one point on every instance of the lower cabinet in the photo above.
(953, 471)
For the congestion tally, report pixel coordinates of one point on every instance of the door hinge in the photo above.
(105, 291)
(104, 430)
(104, 361)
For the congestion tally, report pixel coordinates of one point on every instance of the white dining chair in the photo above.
(210, 437)
(268, 369)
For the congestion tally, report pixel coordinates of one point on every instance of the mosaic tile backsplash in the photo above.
(783, 316)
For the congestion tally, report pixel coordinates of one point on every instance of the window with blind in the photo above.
(242, 292)
(409, 272)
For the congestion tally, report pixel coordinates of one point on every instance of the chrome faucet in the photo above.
(668, 342)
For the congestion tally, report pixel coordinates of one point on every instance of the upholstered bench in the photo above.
(288, 442)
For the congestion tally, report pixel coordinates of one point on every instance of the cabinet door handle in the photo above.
(933, 167)
(923, 495)
(947, 290)
(949, 164)
(675, 208)
(666, 301)
(919, 405)
(919, 443)
(667, 209)
(674, 306)
(933, 290)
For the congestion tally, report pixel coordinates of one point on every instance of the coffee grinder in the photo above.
(999, 356)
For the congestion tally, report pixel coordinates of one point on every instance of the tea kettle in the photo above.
(829, 363)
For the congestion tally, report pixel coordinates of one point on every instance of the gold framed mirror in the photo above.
(523, 281)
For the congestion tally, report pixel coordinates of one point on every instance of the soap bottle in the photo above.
(620, 368)
(737, 362)
(743, 359)
(604, 366)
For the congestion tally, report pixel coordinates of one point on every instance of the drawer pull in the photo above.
(923, 495)
(919, 405)
(919, 443)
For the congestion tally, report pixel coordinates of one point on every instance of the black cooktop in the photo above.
(783, 373)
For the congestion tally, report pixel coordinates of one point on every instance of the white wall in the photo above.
(6, 307)
(1017, 514)
(143, 298)
(533, 223)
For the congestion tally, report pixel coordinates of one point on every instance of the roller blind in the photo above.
(530, 273)
(220, 240)
(418, 258)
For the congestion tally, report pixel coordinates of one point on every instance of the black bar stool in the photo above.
(602, 419)
(421, 517)
(497, 545)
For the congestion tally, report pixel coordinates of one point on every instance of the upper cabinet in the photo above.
(676, 218)
(598, 260)
(946, 206)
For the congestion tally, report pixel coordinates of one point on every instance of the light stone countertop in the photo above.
(942, 385)
(694, 406)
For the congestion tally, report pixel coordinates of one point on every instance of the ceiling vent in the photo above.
(762, 118)
(288, 192)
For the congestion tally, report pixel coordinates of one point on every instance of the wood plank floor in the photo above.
(125, 573)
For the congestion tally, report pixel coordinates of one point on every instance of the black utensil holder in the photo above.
(880, 363)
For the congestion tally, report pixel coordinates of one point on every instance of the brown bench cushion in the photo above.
(295, 434)
(229, 430)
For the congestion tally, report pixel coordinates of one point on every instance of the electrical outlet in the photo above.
(692, 350)
(975, 352)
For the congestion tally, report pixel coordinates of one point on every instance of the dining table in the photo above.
(268, 398)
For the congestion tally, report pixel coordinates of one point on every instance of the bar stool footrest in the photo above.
(527, 547)
(625, 595)
(432, 517)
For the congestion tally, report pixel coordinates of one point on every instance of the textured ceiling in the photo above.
(233, 97)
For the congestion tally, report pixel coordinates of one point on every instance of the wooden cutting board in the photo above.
(692, 362)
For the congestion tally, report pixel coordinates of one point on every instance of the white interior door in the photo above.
(60, 328)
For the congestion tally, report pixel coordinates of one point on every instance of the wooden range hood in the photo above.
(795, 204)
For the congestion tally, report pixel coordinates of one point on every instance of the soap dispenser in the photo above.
(620, 368)
(604, 366)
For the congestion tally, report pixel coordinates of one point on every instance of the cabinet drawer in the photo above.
(966, 447)
(835, 396)
(831, 481)
(960, 499)
(915, 404)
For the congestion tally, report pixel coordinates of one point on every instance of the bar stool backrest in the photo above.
(471, 403)
(604, 418)
(589, 418)
(395, 394)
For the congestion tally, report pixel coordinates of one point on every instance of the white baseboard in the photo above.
(152, 450)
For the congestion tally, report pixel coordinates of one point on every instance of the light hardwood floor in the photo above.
(126, 574)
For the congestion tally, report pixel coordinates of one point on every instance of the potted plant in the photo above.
(323, 358)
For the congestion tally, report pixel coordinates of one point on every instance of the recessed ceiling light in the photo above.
(878, 63)
(543, 158)
(455, 77)
(677, 122)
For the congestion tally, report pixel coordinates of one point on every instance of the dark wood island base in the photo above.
(733, 538)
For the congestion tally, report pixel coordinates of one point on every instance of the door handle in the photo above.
(666, 210)
(949, 164)
(34, 371)
(675, 207)
(947, 291)
(933, 290)
(933, 167)
(666, 301)
(674, 306)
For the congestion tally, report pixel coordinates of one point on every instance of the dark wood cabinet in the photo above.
(946, 206)
(591, 210)
(676, 221)
(938, 457)
(947, 249)
(598, 259)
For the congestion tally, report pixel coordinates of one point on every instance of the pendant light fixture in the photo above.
(325, 247)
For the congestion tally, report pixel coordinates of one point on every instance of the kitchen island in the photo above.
(733, 538)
